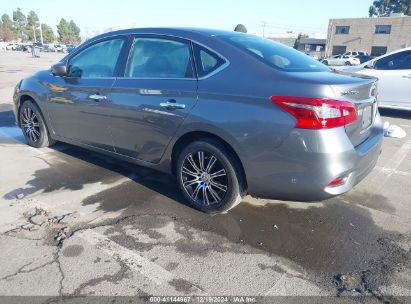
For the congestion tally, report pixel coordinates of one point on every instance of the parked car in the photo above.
(39, 45)
(227, 113)
(11, 46)
(48, 48)
(355, 53)
(19, 47)
(341, 60)
(365, 58)
(70, 48)
(394, 73)
(54, 48)
(58, 48)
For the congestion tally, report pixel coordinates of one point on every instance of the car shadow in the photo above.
(316, 237)
(7, 117)
(332, 240)
(395, 113)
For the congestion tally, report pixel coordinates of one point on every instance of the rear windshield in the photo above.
(275, 54)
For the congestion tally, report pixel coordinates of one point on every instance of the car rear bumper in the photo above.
(304, 165)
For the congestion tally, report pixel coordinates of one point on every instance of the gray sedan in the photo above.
(227, 113)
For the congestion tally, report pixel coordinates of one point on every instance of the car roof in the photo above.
(183, 32)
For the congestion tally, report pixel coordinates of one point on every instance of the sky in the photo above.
(280, 16)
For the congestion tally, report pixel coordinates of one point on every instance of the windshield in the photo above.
(275, 54)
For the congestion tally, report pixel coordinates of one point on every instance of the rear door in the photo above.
(150, 102)
(79, 104)
(394, 74)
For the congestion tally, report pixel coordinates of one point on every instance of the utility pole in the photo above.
(34, 33)
(264, 24)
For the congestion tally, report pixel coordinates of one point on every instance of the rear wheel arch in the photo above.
(193, 136)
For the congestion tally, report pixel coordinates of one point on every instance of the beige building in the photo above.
(376, 36)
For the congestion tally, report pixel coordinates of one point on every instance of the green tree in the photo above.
(32, 18)
(63, 30)
(68, 32)
(75, 31)
(32, 27)
(20, 23)
(383, 8)
(48, 34)
(297, 41)
(6, 28)
(6, 22)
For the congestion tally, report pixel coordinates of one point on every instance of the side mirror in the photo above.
(370, 65)
(59, 69)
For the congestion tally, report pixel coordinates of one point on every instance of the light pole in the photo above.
(264, 24)
(41, 31)
(34, 33)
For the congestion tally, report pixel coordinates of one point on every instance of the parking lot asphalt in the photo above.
(75, 223)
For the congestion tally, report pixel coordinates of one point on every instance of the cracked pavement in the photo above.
(75, 223)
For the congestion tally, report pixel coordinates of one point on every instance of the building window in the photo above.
(378, 50)
(383, 29)
(341, 30)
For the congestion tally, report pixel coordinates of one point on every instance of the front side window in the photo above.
(159, 58)
(96, 61)
(399, 61)
(342, 30)
(383, 29)
(275, 54)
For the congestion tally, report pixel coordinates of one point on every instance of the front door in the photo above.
(394, 74)
(79, 104)
(153, 98)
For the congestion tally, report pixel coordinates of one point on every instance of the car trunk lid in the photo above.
(358, 89)
(364, 97)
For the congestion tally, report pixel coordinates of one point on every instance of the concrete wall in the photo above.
(362, 35)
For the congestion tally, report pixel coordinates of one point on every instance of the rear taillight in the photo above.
(337, 182)
(317, 113)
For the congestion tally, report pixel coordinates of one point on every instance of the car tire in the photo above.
(209, 176)
(325, 62)
(347, 63)
(34, 126)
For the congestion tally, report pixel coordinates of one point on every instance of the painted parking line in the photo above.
(390, 171)
(397, 158)
(132, 259)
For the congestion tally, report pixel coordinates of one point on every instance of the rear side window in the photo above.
(274, 54)
(159, 58)
(97, 61)
(206, 61)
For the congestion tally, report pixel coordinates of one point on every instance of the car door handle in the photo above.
(172, 105)
(97, 97)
